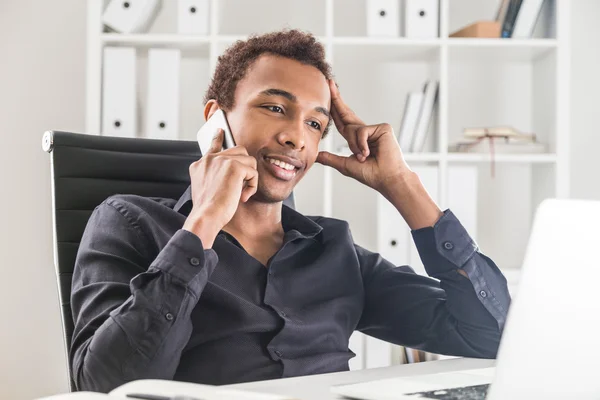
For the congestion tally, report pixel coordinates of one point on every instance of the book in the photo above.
(527, 18)
(498, 131)
(509, 21)
(497, 146)
(501, 14)
(430, 92)
(412, 108)
(169, 390)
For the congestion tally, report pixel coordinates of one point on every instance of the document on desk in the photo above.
(170, 390)
(153, 389)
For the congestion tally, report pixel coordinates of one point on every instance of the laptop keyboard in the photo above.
(477, 392)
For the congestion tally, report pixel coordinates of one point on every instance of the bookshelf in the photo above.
(483, 82)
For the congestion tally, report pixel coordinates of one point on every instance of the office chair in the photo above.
(87, 169)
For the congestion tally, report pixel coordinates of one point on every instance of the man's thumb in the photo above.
(334, 161)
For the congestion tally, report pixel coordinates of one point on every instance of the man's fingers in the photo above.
(217, 142)
(251, 183)
(345, 114)
(341, 164)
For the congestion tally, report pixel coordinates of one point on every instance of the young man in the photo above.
(226, 285)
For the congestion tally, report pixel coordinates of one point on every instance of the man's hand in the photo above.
(377, 162)
(376, 159)
(219, 181)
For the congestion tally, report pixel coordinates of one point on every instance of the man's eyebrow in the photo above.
(280, 92)
(323, 111)
(291, 97)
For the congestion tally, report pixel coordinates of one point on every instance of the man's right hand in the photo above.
(219, 181)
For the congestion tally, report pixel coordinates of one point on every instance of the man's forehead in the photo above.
(273, 72)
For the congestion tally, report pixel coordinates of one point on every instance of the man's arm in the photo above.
(458, 315)
(132, 313)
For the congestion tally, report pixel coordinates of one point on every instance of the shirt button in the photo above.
(483, 294)
(282, 314)
(169, 316)
(448, 245)
(194, 261)
(278, 353)
(270, 272)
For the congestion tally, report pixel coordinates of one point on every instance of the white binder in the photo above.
(383, 18)
(393, 236)
(421, 19)
(162, 114)
(462, 196)
(119, 92)
(357, 345)
(429, 177)
(193, 17)
(130, 16)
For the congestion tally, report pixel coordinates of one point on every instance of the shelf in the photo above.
(499, 50)
(503, 158)
(156, 40)
(409, 157)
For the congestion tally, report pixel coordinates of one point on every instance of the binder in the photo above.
(429, 177)
(393, 239)
(462, 196)
(356, 344)
(162, 114)
(421, 19)
(130, 16)
(393, 234)
(193, 17)
(425, 116)
(383, 18)
(408, 127)
(119, 92)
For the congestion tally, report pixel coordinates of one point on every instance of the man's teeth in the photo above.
(282, 164)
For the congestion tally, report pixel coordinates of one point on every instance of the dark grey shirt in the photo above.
(150, 302)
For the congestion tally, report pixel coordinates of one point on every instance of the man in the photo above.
(226, 285)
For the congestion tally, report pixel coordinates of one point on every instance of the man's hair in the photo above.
(234, 63)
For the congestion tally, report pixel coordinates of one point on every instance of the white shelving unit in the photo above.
(483, 82)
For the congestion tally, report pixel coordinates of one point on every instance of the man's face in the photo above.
(281, 111)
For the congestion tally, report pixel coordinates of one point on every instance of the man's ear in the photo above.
(210, 108)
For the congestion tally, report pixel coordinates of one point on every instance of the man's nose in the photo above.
(293, 135)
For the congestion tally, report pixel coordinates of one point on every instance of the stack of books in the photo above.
(498, 140)
(418, 114)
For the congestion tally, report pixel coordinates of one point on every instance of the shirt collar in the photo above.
(294, 224)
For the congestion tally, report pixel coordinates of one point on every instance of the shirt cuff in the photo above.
(444, 247)
(185, 259)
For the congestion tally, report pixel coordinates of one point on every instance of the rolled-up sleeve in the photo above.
(450, 314)
(132, 311)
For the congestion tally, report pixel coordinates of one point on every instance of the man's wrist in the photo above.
(203, 226)
(411, 199)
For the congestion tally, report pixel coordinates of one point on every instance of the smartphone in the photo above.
(207, 132)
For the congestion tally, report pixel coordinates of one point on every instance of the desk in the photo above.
(316, 387)
(313, 387)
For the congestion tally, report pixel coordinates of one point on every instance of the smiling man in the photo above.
(227, 284)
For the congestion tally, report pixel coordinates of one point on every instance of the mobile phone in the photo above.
(207, 132)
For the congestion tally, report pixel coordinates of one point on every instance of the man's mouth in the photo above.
(282, 169)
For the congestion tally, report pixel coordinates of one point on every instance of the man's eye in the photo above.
(276, 109)
(316, 125)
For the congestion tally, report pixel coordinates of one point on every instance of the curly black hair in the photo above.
(233, 64)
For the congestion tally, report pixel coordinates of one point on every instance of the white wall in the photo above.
(42, 79)
(42, 76)
(585, 99)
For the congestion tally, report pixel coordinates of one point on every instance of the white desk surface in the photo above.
(313, 387)
(316, 387)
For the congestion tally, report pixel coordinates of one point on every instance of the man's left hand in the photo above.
(377, 159)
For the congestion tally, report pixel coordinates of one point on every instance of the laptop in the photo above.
(550, 348)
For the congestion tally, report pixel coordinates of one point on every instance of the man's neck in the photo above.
(255, 219)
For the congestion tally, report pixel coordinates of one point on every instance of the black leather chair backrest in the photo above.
(87, 169)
